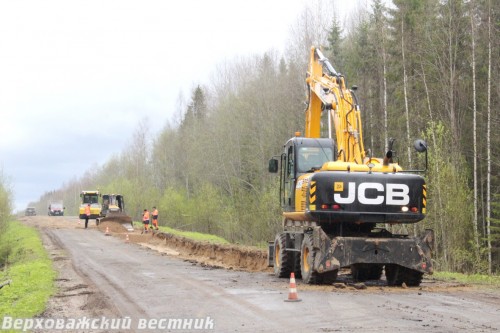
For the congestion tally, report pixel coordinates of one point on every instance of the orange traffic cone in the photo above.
(292, 295)
(127, 239)
(107, 231)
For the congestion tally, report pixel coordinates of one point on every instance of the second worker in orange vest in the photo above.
(155, 218)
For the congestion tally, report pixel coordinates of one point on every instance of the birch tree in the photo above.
(488, 147)
(405, 93)
(474, 126)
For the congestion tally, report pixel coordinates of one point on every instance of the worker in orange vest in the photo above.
(87, 215)
(155, 218)
(145, 220)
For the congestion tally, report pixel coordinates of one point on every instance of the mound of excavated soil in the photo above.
(113, 227)
(220, 255)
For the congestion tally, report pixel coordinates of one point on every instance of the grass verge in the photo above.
(197, 236)
(28, 266)
(478, 279)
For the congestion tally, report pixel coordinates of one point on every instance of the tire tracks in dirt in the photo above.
(66, 302)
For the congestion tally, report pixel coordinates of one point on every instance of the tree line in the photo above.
(424, 69)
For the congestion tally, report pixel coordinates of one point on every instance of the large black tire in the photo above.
(283, 260)
(296, 265)
(328, 277)
(392, 275)
(412, 278)
(364, 272)
(396, 275)
(307, 257)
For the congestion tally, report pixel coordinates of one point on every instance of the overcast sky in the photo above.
(76, 77)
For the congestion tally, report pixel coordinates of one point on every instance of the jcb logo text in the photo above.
(393, 194)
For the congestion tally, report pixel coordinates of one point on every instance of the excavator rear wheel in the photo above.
(393, 275)
(396, 275)
(283, 260)
(363, 272)
(328, 277)
(412, 278)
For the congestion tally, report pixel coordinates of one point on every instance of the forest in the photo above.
(426, 69)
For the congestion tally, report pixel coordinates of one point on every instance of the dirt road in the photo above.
(106, 276)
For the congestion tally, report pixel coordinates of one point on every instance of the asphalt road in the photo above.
(141, 283)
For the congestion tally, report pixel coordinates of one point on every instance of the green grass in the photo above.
(479, 279)
(197, 236)
(28, 266)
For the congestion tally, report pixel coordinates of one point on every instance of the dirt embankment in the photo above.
(217, 255)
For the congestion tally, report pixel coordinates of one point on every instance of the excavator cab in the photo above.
(301, 156)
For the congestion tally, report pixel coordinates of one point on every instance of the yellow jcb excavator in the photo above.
(336, 199)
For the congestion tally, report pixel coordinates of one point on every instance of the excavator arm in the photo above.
(328, 93)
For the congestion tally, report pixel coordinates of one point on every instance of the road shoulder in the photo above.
(76, 296)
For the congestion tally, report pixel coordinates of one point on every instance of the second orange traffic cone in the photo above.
(107, 231)
(127, 239)
(292, 295)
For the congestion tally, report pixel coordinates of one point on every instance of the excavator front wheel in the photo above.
(307, 256)
(283, 260)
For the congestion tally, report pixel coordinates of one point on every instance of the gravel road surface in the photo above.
(122, 279)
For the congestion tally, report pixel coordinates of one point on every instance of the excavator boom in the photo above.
(328, 94)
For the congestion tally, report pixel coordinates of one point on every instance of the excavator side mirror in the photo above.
(273, 165)
(420, 145)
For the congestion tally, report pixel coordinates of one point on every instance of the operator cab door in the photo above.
(288, 177)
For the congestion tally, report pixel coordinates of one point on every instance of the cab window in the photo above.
(312, 158)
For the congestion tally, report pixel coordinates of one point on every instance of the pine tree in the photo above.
(333, 51)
